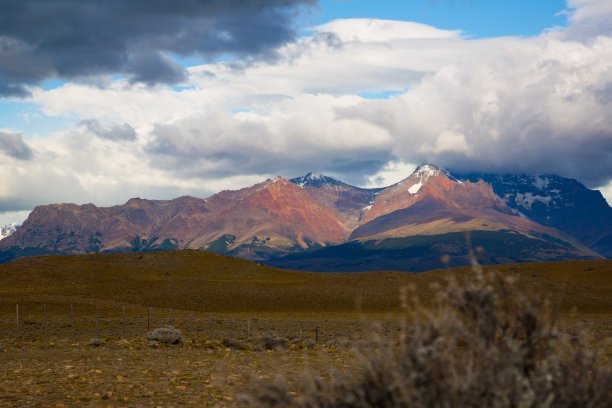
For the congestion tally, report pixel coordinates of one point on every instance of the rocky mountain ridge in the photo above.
(279, 219)
(557, 202)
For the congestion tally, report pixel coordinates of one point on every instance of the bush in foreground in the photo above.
(485, 343)
(166, 335)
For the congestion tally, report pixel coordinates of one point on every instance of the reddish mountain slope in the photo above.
(70, 228)
(429, 181)
(431, 201)
(276, 209)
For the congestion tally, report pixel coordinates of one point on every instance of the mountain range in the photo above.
(429, 220)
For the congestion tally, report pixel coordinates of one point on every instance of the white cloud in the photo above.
(373, 30)
(9, 217)
(392, 172)
(446, 141)
(589, 18)
(535, 105)
(606, 191)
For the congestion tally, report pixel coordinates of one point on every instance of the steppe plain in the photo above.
(320, 317)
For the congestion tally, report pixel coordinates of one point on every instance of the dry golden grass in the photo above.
(207, 282)
(200, 282)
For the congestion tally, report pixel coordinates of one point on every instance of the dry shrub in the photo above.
(271, 343)
(96, 342)
(166, 335)
(235, 344)
(484, 344)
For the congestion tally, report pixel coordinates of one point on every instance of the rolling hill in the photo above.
(203, 281)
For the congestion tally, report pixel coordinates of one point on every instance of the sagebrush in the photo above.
(166, 335)
(484, 344)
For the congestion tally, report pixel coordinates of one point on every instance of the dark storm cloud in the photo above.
(41, 39)
(12, 144)
(115, 132)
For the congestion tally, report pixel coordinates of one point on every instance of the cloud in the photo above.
(74, 167)
(541, 104)
(391, 173)
(538, 105)
(115, 132)
(300, 135)
(374, 30)
(588, 19)
(75, 39)
(13, 145)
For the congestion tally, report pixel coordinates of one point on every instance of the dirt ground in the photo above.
(131, 373)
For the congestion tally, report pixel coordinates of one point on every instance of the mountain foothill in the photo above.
(429, 220)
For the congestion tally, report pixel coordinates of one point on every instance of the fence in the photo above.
(53, 322)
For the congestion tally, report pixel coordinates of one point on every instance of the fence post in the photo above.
(97, 322)
(211, 327)
(149, 321)
(71, 322)
(123, 307)
(45, 323)
(300, 335)
(191, 325)
(170, 320)
(18, 332)
(268, 328)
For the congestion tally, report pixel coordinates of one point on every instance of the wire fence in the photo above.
(51, 323)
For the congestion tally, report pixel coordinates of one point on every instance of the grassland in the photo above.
(207, 282)
(66, 371)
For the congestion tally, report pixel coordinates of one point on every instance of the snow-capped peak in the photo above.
(429, 170)
(315, 176)
(422, 174)
(313, 179)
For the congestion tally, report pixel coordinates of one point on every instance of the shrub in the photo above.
(96, 342)
(310, 343)
(166, 335)
(272, 343)
(484, 343)
(234, 344)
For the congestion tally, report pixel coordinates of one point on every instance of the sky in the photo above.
(104, 101)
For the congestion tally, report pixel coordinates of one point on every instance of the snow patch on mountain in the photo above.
(526, 200)
(7, 230)
(415, 188)
(541, 183)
